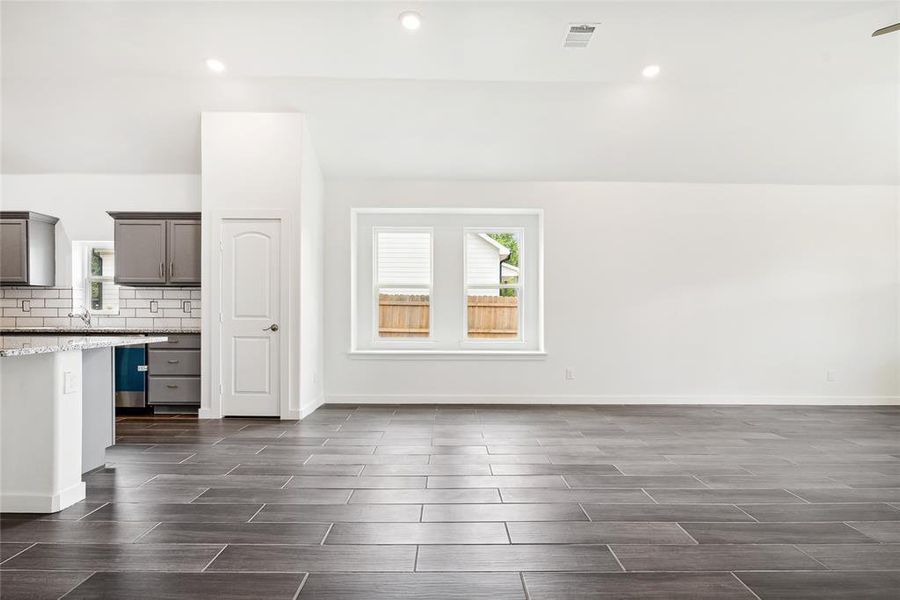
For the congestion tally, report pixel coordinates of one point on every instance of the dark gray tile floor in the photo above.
(642, 502)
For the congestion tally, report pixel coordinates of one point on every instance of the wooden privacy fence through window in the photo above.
(407, 316)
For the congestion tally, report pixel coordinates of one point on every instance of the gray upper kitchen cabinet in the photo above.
(140, 246)
(157, 248)
(184, 252)
(27, 248)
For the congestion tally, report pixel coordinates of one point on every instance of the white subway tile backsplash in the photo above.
(29, 322)
(57, 322)
(169, 304)
(50, 307)
(111, 322)
(139, 323)
(147, 293)
(163, 323)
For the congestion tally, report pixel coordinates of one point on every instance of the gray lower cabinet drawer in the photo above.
(187, 341)
(174, 390)
(174, 362)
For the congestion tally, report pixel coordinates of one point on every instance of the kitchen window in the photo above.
(439, 282)
(93, 270)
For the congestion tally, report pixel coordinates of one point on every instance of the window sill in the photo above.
(448, 354)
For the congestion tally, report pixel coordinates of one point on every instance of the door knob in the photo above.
(272, 327)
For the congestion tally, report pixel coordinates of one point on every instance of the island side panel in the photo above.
(40, 423)
(98, 400)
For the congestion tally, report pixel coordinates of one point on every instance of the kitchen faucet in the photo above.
(84, 316)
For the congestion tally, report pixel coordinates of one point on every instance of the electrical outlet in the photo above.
(830, 375)
(186, 306)
(154, 306)
(70, 382)
(26, 305)
(570, 374)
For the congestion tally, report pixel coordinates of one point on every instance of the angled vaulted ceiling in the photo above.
(792, 92)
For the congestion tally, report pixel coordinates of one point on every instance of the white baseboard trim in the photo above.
(310, 407)
(582, 399)
(42, 503)
(208, 413)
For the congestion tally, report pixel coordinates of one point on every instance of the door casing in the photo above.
(212, 316)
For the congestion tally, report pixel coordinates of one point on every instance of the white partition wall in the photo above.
(263, 166)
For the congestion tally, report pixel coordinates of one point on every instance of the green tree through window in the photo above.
(509, 240)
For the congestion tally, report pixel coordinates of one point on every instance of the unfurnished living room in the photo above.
(450, 300)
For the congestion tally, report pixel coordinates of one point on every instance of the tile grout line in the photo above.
(300, 588)
(744, 511)
(677, 524)
(93, 511)
(250, 520)
(524, 587)
(747, 587)
(649, 495)
(619, 562)
(325, 537)
(805, 553)
(33, 544)
(73, 588)
(135, 540)
(203, 570)
(797, 496)
(590, 520)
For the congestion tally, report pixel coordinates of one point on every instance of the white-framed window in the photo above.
(93, 270)
(446, 281)
(494, 284)
(402, 283)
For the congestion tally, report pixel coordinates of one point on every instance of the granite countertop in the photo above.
(24, 345)
(96, 331)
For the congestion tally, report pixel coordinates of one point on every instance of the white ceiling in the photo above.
(791, 92)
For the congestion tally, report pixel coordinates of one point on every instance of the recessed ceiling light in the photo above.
(410, 20)
(650, 71)
(214, 65)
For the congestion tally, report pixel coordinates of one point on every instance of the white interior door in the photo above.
(251, 309)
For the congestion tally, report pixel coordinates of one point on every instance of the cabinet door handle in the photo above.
(171, 386)
(173, 361)
(162, 270)
(171, 270)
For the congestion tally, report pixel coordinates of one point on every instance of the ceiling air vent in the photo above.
(579, 35)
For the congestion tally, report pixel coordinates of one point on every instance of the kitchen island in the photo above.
(55, 410)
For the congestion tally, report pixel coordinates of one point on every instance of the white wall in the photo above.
(662, 293)
(312, 279)
(81, 201)
(265, 161)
